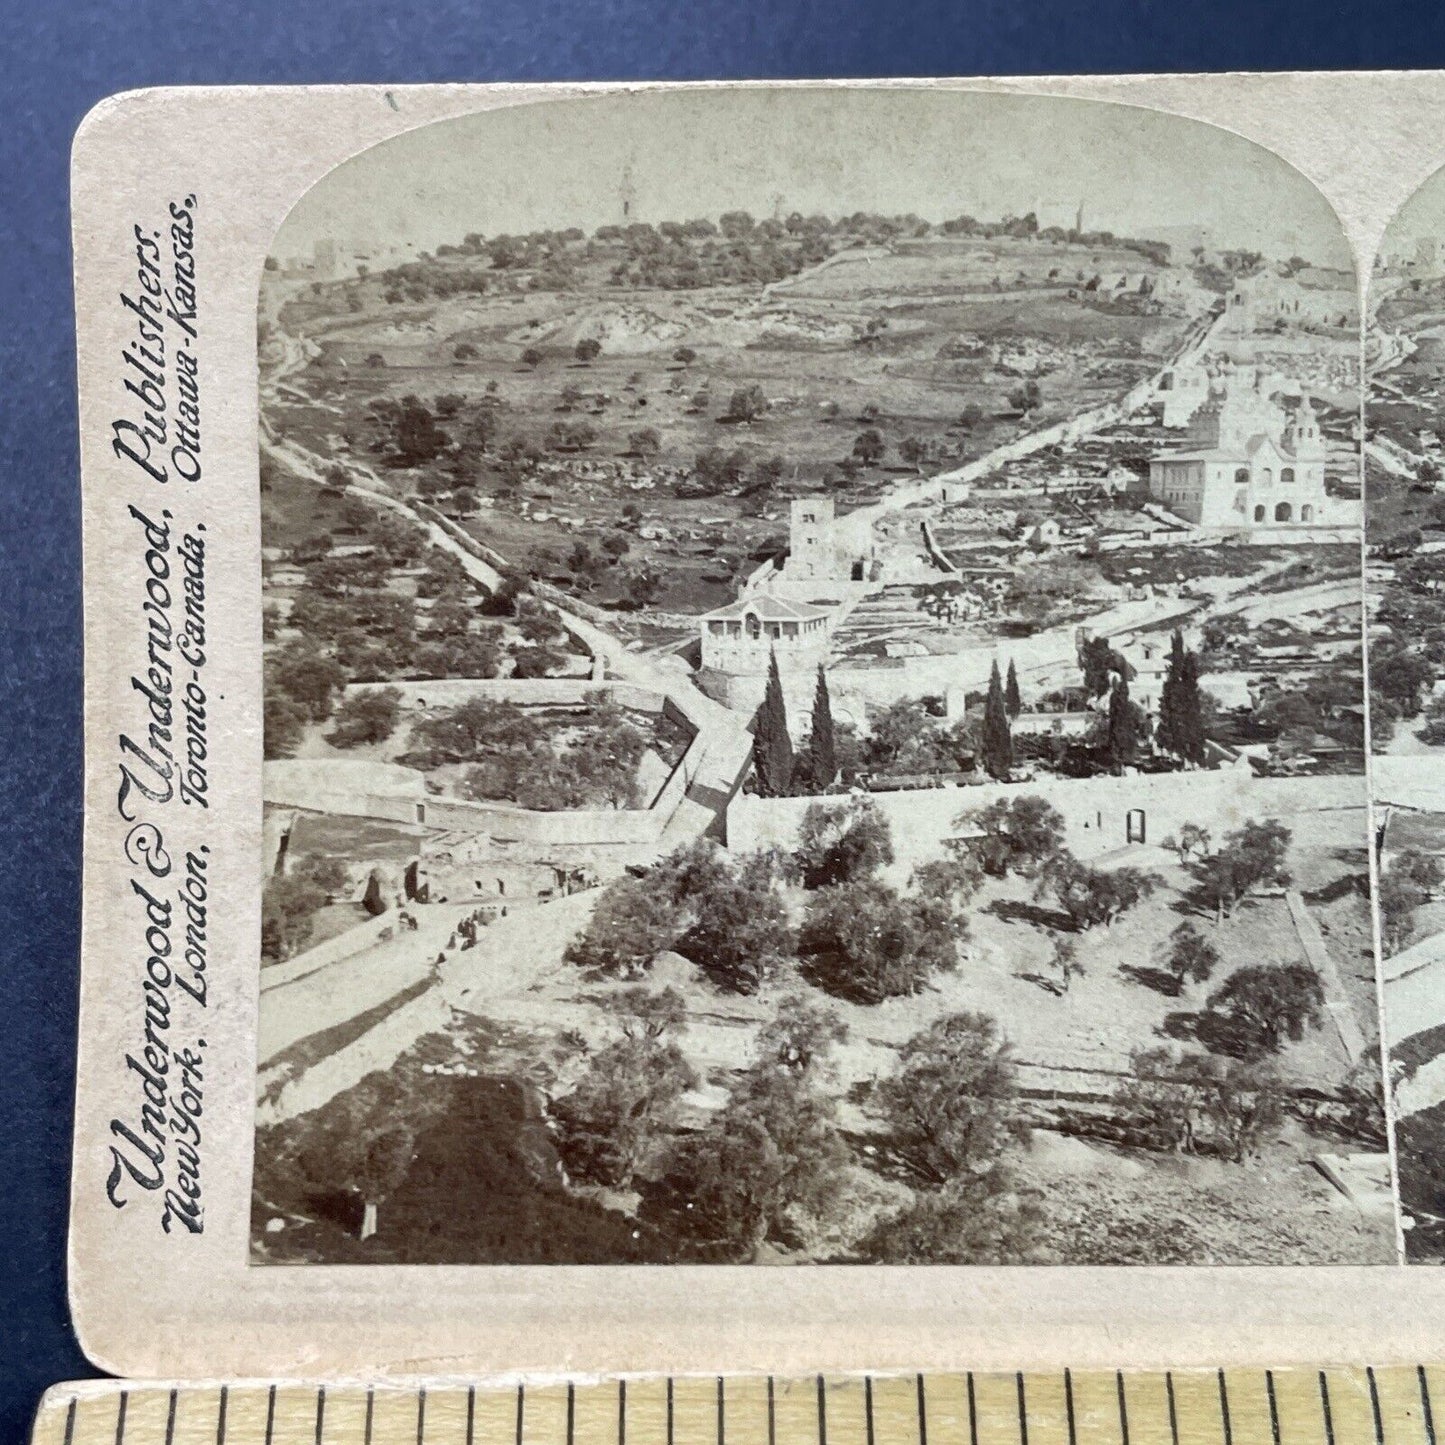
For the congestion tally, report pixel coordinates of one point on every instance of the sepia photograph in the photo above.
(1405, 568)
(1409, 803)
(1405, 351)
(814, 694)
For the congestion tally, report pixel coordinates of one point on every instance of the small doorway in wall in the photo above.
(1134, 831)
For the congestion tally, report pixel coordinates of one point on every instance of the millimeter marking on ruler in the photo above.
(1367, 1406)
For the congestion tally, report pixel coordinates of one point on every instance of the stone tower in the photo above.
(1302, 437)
(812, 545)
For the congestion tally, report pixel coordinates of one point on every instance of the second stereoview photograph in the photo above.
(1404, 468)
(814, 693)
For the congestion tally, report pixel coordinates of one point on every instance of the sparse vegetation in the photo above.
(507, 476)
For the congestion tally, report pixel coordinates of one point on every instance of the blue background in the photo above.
(58, 59)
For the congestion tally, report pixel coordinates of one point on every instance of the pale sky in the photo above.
(1422, 215)
(562, 163)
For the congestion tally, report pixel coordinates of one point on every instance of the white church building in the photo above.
(1248, 463)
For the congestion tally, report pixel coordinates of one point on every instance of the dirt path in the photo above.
(1337, 998)
(864, 254)
(1322, 597)
(721, 756)
(310, 466)
(332, 994)
(1069, 429)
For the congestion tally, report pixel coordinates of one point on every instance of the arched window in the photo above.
(1259, 514)
(1241, 476)
(1266, 477)
(1282, 512)
(754, 625)
(1286, 476)
(1307, 513)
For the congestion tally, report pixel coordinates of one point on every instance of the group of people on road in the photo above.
(464, 935)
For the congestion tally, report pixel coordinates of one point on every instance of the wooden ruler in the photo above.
(1184, 1407)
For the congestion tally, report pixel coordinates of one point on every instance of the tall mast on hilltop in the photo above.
(627, 192)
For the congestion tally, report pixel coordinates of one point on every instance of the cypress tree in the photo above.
(822, 740)
(1123, 725)
(1169, 733)
(1192, 708)
(1012, 698)
(772, 747)
(1181, 707)
(997, 745)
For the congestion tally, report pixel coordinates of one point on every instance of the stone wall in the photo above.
(523, 692)
(1094, 809)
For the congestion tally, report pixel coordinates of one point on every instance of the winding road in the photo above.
(723, 741)
(508, 954)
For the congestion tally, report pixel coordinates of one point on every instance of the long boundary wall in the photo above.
(1095, 809)
(523, 691)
